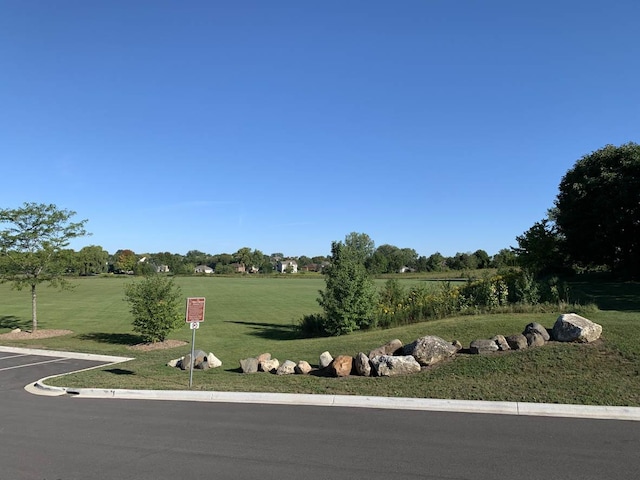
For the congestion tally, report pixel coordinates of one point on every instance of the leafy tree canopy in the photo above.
(597, 209)
(33, 244)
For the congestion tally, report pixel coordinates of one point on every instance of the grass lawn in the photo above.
(247, 316)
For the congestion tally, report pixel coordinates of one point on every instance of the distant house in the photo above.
(253, 269)
(203, 269)
(313, 267)
(286, 266)
(162, 268)
(406, 269)
(238, 267)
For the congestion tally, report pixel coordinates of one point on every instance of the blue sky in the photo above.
(284, 125)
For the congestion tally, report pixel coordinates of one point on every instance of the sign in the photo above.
(194, 325)
(195, 310)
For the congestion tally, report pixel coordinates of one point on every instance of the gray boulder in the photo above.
(482, 346)
(502, 343)
(389, 348)
(393, 365)
(517, 341)
(287, 368)
(249, 365)
(534, 339)
(362, 365)
(570, 327)
(430, 350)
(537, 328)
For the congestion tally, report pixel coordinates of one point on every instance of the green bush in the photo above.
(156, 305)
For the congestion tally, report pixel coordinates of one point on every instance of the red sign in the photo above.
(195, 309)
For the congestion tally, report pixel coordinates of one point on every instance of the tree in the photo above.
(92, 259)
(32, 245)
(597, 209)
(155, 303)
(359, 245)
(540, 249)
(125, 261)
(348, 300)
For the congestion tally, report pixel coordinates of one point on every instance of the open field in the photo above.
(250, 315)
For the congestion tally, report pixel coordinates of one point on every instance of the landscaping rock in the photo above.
(534, 339)
(214, 362)
(342, 366)
(362, 365)
(287, 368)
(269, 366)
(517, 341)
(571, 327)
(429, 350)
(389, 348)
(325, 359)
(457, 345)
(249, 365)
(263, 357)
(537, 328)
(502, 343)
(393, 365)
(303, 368)
(482, 346)
(174, 363)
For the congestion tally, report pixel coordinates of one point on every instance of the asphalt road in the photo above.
(67, 438)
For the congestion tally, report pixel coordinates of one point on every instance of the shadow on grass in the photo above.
(120, 371)
(112, 338)
(607, 293)
(11, 322)
(269, 330)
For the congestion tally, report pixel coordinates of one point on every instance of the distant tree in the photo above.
(243, 256)
(91, 260)
(303, 261)
(31, 245)
(125, 260)
(462, 261)
(155, 303)
(483, 260)
(539, 249)
(359, 245)
(436, 262)
(505, 258)
(348, 300)
(597, 209)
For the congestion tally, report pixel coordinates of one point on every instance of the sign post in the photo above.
(193, 316)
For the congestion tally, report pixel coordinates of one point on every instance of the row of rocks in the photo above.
(394, 358)
(567, 328)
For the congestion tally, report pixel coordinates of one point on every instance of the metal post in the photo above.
(193, 352)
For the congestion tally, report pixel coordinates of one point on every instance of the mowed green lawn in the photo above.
(247, 316)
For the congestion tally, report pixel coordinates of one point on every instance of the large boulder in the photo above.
(517, 341)
(287, 368)
(534, 339)
(269, 366)
(570, 327)
(393, 365)
(430, 350)
(389, 348)
(325, 360)
(342, 366)
(263, 357)
(303, 367)
(362, 365)
(482, 346)
(502, 343)
(249, 365)
(537, 328)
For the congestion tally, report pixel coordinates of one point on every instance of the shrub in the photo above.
(155, 303)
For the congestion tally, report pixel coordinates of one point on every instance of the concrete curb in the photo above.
(420, 404)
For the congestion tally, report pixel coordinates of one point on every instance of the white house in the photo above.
(283, 266)
(203, 269)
